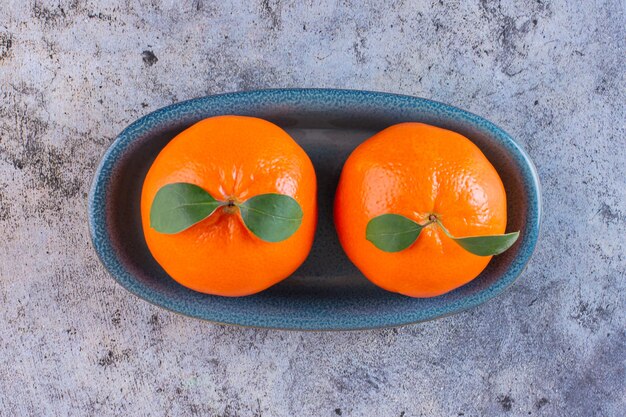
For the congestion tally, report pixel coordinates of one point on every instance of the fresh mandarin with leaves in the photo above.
(420, 210)
(229, 206)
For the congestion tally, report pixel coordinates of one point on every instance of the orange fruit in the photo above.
(417, 171)
(233, 158)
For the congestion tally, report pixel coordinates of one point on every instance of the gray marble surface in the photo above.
(73, 73)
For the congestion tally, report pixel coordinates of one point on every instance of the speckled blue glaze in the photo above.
(327, 292)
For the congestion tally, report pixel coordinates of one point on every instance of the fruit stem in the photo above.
(230, 205)
(432, 218)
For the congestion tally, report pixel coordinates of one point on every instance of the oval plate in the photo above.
(327, 292)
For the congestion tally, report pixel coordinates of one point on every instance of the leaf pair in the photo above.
(394, 233)
(178, 206)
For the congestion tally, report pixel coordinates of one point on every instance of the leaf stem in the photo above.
(444, 229)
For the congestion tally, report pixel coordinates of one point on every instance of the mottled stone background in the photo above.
(74, 73)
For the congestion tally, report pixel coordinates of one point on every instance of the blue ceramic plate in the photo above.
(327, 292)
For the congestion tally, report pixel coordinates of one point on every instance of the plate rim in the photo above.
(101, 242)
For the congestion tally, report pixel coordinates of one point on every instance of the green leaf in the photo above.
(271, 217)
(392, 232)
(178, 206)
(484, 245)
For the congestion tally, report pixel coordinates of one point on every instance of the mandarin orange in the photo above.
(233, 158)
(424, 173)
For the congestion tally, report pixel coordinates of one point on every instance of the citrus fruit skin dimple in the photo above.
(417, 170)
(232, 158)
